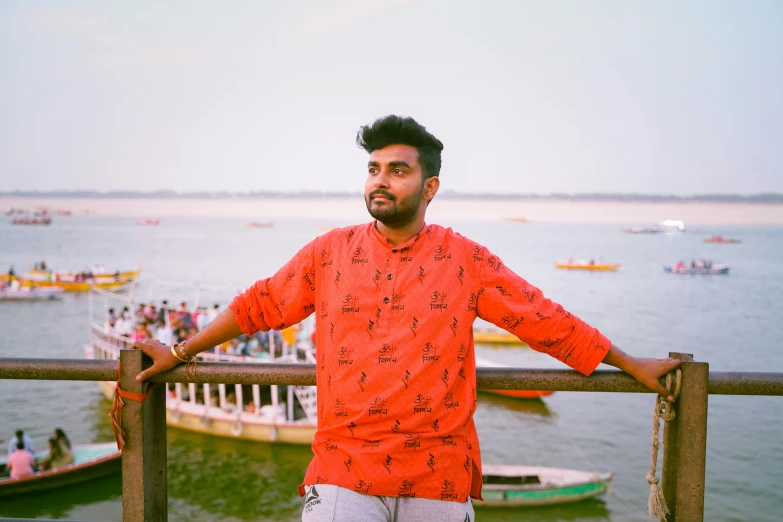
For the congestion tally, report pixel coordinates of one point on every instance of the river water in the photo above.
(733, 322)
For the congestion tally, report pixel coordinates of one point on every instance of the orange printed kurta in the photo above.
(395, 364)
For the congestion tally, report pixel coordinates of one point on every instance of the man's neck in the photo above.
(401, 235)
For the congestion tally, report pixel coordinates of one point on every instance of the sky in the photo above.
(541, 97)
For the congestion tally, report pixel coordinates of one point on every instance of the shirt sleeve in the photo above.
(280, 301)
(510, 302)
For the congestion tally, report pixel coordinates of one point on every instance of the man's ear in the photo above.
(431, 186)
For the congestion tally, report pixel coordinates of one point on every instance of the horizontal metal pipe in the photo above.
(58, 369)
(720, 383)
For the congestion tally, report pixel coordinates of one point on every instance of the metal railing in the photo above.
(144, 495)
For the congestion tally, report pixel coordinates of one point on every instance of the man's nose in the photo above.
(381, 180)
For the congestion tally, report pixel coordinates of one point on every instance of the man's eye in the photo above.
(399, 171)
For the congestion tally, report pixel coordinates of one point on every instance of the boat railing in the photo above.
(144, 493)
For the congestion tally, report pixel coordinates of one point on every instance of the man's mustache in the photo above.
(381, 193)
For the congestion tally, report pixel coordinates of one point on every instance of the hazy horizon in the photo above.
(529, 97)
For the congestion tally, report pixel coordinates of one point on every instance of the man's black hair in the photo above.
(396, 130)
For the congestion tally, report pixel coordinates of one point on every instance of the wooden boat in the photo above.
(721, 239)
(31, 294)
(290, 419)
(70, 276)
(512, 486)
(493, 336)
(712, 270)
(580, 266)
(44, 220)
(114, 285)
(516, 219)
(91, 461)
(255, 224)
(517, 394)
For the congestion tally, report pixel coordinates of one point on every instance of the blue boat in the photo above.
(712, 270)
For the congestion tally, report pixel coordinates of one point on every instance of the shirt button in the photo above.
(389, 276)
(386, 300)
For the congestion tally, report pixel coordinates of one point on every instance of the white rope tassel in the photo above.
(656, 506)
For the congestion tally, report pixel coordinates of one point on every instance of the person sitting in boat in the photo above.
(708, 264)
(693, 263)
(700, 264)
(58, 456)
(15, 285)
(21, 462)
(20, 436)
(62, 438)
(592, 262)
(680, 265)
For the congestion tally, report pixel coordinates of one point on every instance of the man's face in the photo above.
(395, 191)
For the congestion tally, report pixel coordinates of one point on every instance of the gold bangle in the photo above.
(175, 354)
(183, 352)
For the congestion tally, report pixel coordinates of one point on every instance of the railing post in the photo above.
(144, 497)
(685, 444)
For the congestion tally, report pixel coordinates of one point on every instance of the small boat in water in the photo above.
(512, 486)
(91, 461)
(721, 239)
(684, 269)
(71, 276)
(611, 267)
(45, 220)
(256, 224)
(670, 226)
(516, 219)
(31, 294)
(148, 222)
(517, 394)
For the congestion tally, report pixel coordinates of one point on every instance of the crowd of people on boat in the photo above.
(701, 263)
(21, 461)
(174, 325)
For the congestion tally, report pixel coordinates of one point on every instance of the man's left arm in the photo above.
(511, 303)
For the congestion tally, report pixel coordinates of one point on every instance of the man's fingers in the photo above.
(146, 373)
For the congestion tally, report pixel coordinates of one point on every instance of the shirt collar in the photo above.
(407, 245)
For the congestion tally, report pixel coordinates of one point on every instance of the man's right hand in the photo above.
(160, 354)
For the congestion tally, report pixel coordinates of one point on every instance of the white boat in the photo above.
(27, 293)
(511, 486)
(711, 270)
(258, 413)
(669, 226)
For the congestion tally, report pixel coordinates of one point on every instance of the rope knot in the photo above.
(663, 410)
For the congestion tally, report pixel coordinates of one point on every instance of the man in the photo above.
(20, 462)
(20, 437)
(395, 302)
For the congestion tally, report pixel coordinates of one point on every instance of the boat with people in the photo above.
(97, 273)
(669, 226)
(515, 486)
(517, 394)
(91, 461)
(721, 239)
(81, 286)
(588, 265)
(702, 267)
(27, 293)
(280, 414)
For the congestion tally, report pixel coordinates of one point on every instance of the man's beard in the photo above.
(395, 213)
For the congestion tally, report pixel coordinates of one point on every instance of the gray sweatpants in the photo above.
(328, 503)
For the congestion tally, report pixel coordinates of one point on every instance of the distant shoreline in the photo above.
(751, 199)
(345, 210)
